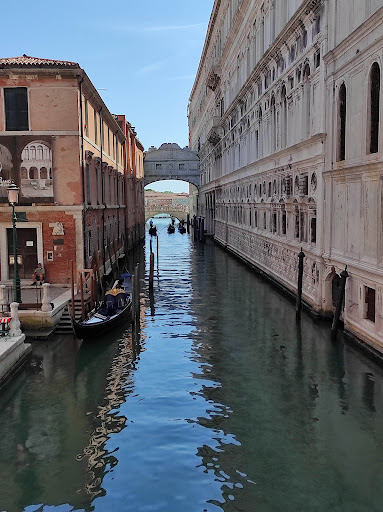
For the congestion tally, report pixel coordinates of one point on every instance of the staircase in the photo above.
(65, 324)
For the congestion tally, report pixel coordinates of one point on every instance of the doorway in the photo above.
(26, 252)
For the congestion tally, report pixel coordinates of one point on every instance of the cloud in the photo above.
(181, 77)
(148, 68)
(170, 28)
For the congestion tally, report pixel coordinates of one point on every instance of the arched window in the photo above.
(306, 102)
(342, 111)
(374, 105)
(283, 118)
(273, 130)
(33, 173)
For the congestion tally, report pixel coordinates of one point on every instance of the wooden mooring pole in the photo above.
(72, 286)
(157, 252)
(138, 290)
(301, 257)
(82, 297)
(151, 270)
(342, 287)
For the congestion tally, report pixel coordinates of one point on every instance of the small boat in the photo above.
(171, 228)
(113, 310)
(181, 228)
(153, 231)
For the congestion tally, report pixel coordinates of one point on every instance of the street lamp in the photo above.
(13, 198)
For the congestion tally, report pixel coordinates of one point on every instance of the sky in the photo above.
(142, 56)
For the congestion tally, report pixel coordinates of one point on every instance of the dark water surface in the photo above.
(219, 403)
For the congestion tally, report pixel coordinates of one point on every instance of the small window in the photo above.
(317, 59)
(181, 166)
(283, 222)
(158, 166)
(370, 303)
(95, 127)
(313, 230)
(88, 190)
(374, 101)
(16, 109)
(342, 111)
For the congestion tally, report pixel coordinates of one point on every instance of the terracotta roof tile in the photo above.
(27, 61)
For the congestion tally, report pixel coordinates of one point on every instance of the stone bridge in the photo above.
(170, 162)
(161, 203)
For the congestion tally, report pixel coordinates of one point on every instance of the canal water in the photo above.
(218, 402)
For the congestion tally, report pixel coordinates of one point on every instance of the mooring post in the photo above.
(82, 297)
(133, 297)
(151, 271)
(138, 289)
(195, 234)
(301, 257)
(342, 287)
(202, 229)
(157, 250)
(188, 222)
(72, 286)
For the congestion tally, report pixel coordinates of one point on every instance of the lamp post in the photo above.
(13, 198)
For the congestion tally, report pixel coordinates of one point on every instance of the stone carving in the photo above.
(58, 228)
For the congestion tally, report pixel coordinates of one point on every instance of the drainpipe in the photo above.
(82, 172)
(102, 191)
(117, 190)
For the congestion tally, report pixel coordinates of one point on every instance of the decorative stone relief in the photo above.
(58, 228)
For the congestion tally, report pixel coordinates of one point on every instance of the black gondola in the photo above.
(171, 228)
(114, 310)
(153, 231)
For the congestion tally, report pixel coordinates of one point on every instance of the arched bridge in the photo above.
(160, 203)
(170, 162)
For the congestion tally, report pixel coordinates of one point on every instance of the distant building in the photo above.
(79, 169)
(285, 114)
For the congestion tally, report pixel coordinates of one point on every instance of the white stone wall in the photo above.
(264, 118)
(353, 185)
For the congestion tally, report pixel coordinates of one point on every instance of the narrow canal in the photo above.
(218, 403)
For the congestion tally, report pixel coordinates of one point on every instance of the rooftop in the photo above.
(35, 62)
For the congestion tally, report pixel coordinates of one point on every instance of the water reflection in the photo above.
(66, 399)
(221, 402)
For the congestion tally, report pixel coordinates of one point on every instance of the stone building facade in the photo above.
(284, 114)
(78, 168)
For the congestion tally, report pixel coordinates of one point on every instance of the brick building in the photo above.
(79, 169)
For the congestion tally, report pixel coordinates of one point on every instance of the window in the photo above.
(86, 119)
(313, 230)
(303, 185)
(274, 222)
(98, 184)
(181, 166)
(88, 192)
(374, 107)
(283, 222)
(16, 109)
(95, 128)
(342, 109)
(370, 303)
(158, 166)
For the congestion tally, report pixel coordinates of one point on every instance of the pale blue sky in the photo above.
(144, 53)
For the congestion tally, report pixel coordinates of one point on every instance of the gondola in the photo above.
(181, 228)
(171, 228)
(153, 231)
(113, 310)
